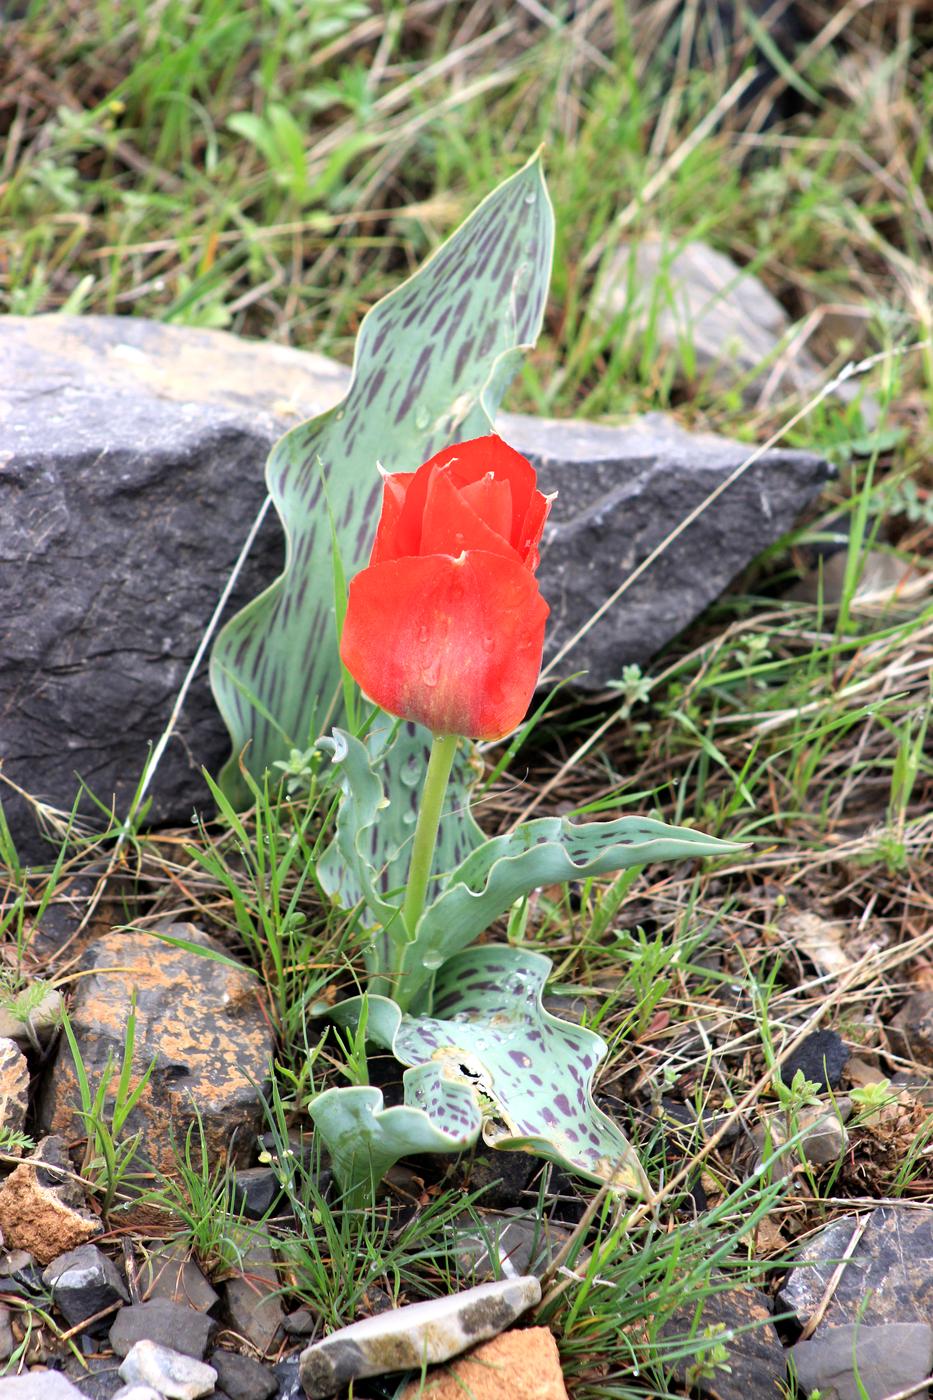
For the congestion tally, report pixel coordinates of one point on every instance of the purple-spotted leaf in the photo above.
(432, 361)
(543, 852)
(530, 1074)
(364, 1138)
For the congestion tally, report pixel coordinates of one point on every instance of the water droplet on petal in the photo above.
(488, 644)
(429, 674)
(530, 197)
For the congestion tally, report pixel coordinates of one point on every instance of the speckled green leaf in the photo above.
(529, 1073)
(544, 852)
(367, 862)
(432, 360)
(364, 1138)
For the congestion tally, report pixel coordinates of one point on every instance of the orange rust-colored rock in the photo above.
(198, 1020)
(42, 1209)
(522, 1365)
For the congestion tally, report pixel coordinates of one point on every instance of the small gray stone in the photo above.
(290, 1387)
(855, 1361)
(168, 1324)
(7, 1342)
(175, 1374)
(741, 336)
(39, 1385)
(253, 1304)
(171, 1273)
(300, 1323)
(84, 1282)
(96, 1376)
(410, 1337)
(32, 1015)
(256, 1189)
(910, 1034)
(506, 1244)
(887, 1279)
(242, 1378)
(824, 1137)
(822, 1057)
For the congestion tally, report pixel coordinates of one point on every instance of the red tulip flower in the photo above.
(446, 624)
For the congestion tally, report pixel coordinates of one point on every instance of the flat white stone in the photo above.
(417, 1335)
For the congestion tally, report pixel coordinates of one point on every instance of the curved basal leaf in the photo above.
(432, 360)
(365, 1139)
(543, 852)
(530, 1074)
(370, 854)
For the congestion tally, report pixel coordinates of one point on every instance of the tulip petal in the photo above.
(469, 462)
(450, 525)
(531, 528)
(454, 644)
(491, 499)
(394, 492)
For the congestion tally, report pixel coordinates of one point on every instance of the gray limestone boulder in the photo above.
(131, 469)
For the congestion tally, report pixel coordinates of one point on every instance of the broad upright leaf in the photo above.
(529, 1074)
(370, 854)
(432, 361)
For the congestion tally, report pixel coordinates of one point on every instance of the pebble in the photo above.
(757, 1365)
(822, 1056)
(174, 1374)
(7, 1342)
(253, 1305)
(910, 1034)
(39, 1385)
(84, 1282)
(169, 1324)
(198, 1022)
(858, 1362)
(14, 1086)
(421, 1333)
(170, 1273)
(29, 1021)
(242, 1378)
(506, 1244)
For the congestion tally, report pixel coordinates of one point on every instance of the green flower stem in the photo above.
(422, 852)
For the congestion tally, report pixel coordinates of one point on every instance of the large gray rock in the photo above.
(856, 1362)
(131, 465)
(887, 1279)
